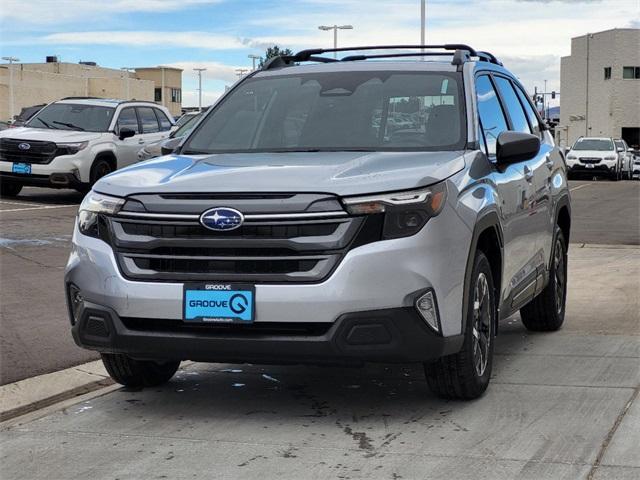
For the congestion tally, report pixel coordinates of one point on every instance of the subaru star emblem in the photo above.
(221, 219)
(24, 146)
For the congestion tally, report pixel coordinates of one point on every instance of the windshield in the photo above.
(335, 111)
(187, 126)
(184, 119)
(619, 144)
(593, 144)
(73, 116)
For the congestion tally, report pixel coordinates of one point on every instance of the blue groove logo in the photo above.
(221, 219)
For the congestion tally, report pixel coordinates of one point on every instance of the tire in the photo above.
(545, 313)
(99, 169)
(465, 375)
(138, 373)
(9, 189)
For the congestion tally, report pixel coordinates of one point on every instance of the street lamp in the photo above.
(253, 59)
(241, 72)
(11, 60)
(199, 70)
(335, 29)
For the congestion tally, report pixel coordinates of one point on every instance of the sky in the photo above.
(528, 36)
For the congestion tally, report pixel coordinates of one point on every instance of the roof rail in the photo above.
(460, 52)
(81, 98)
(489, 57)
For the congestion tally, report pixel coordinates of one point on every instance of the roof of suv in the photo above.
(102, 102)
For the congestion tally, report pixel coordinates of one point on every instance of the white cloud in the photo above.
(42, 12)
(215, 70)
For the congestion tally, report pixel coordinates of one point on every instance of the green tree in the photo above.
(274, 51)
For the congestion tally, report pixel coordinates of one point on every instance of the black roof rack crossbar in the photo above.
(81, 98)
(304, 55)
(461, 53)
(351, 58)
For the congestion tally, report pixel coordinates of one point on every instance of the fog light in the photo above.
(75, 303)
(428, 310)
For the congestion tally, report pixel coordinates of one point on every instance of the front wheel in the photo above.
(138, 373)
(9, 189)
(545, 313)
(465, 375)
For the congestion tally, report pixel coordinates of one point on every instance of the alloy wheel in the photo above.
(481, 327)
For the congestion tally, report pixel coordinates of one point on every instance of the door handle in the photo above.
(548, 161)
(528, 174)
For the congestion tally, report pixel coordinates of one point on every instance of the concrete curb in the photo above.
(25, 396)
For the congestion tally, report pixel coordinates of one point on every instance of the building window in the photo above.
(157, 95)
(176, 95)
(607, 73)
(631, 72)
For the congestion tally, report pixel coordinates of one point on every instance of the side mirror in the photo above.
(169, 146)
(126, 133)
(514, 147)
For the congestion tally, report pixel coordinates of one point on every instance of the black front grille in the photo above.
(589, 160)
(292, 248)
(38, 152)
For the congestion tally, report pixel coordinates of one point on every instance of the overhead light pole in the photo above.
(241, 72)
(253, 59)
(199, 70)
(335, 29)
(11, 60)
(423, 22)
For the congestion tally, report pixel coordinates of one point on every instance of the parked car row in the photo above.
(601, 156)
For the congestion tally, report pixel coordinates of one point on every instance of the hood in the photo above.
(48, 134)
(593, 153)
(340, 173)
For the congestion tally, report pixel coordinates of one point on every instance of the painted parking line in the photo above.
(580, 186)
(4, 202)
(37, 208)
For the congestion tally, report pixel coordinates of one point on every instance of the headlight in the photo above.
(90, 209)
(405, 213)
(72, 148)
(571, 157)
(610, 158)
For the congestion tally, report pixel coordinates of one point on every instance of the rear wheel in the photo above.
(545, 313)
(9, 189)
(138, 373)
(466, 374)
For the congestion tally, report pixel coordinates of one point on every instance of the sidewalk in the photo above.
(561, 405)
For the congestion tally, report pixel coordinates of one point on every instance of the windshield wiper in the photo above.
(70, 125)
(44, 123)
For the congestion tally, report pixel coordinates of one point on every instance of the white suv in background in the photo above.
(626, 157)
(594, 156)
(73, 142)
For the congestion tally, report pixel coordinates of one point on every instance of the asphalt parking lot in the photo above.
(561, 405)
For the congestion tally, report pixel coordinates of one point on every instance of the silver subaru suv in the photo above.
(380, 207)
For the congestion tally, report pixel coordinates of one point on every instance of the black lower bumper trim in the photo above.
(55, 180)
(389, 335)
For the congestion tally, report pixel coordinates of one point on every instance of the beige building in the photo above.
(600, 86)
(37, 83)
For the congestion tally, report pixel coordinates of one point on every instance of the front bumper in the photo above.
(388, 335)
(593, 169)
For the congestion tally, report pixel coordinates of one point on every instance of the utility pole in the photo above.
(199, 70)
(11, 60)
(335, 29)
(423, 21)
(253, 59)
(544, 102)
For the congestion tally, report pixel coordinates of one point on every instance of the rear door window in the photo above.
(164, 122)
(148, 120)
(490, 112)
